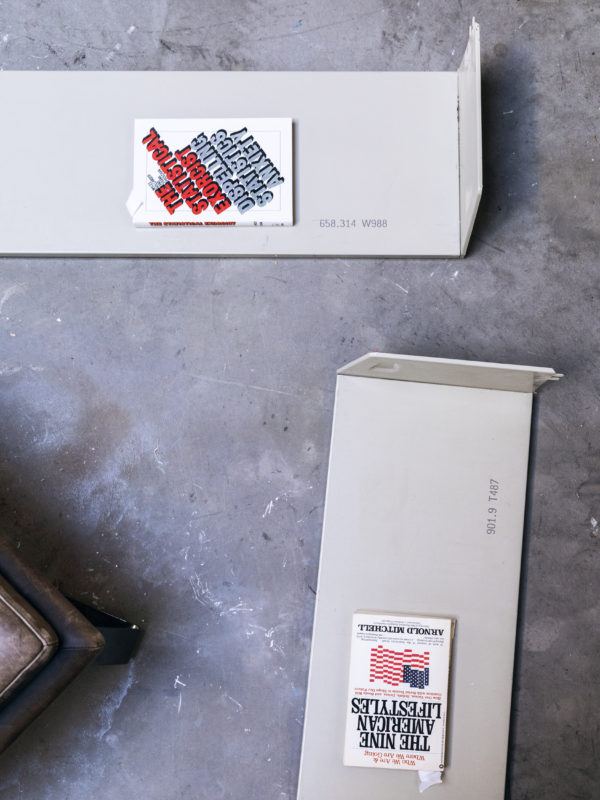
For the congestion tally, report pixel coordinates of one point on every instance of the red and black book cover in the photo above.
(398, 691)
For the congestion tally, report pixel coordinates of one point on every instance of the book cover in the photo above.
(398, 691)
(207, 172)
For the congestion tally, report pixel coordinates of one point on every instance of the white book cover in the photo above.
(398, 691)
(207, 172)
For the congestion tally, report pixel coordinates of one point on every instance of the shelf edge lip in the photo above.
(450, 372)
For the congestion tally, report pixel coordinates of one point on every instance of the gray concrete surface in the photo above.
(164, 425)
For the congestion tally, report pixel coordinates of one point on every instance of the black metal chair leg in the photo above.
(121, 638)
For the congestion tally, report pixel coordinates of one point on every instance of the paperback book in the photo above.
(207, 172)
(398, 691)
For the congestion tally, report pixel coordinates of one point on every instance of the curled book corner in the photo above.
(427, 779)
(134, 203)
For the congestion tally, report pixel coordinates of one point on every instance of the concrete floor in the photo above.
(165, 424)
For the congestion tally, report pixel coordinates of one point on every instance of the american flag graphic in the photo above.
(399, 666)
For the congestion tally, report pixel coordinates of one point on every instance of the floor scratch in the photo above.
(243, 385)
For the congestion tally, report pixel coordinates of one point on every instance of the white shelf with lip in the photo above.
(383, 164)
(423, 515)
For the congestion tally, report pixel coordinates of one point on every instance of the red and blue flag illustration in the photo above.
(399, 666)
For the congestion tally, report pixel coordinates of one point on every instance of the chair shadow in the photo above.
(55, 537)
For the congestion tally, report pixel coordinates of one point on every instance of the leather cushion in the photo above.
(79, 643)
(27, 642)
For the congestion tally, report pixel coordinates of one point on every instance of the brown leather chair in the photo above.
(45, 642)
